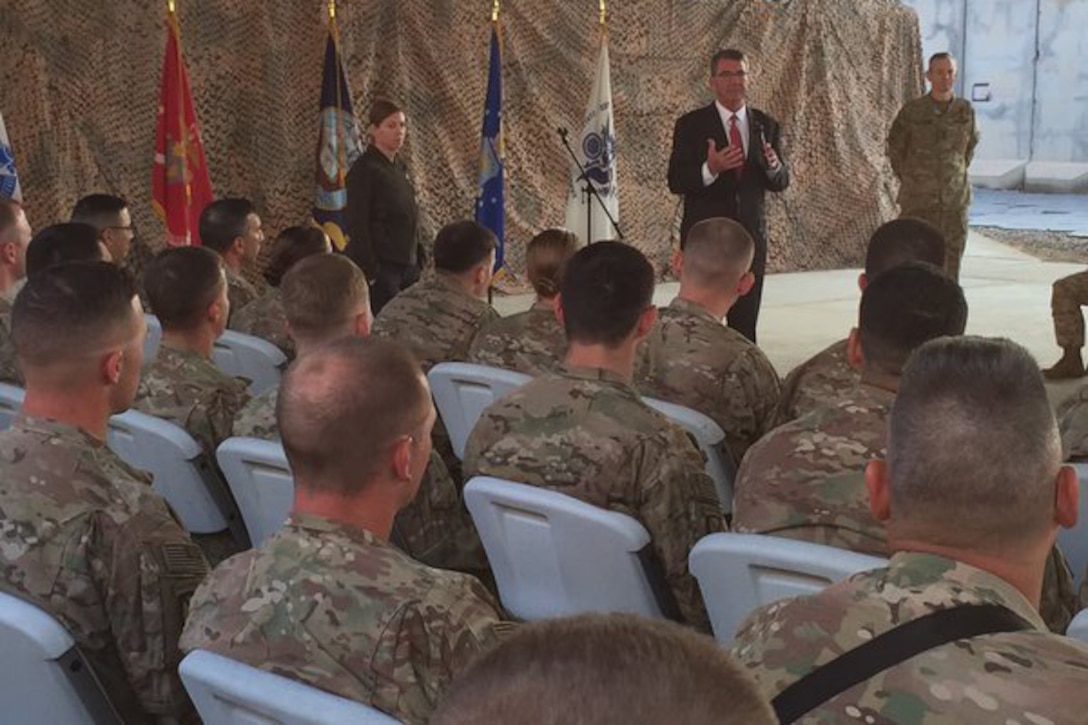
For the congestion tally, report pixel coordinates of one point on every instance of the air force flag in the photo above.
(491, 198)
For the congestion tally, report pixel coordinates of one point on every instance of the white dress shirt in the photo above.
(742, 125)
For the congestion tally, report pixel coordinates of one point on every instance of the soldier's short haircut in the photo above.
(59, 243)
(72, 310)
(717, 253)
(462, 245)
(973, 448)
(342, 406)
(601, 669)
(943, 55)
(321, 294)
(546, 257)
(223, 221)
(726, 54)
(98, 210)
(9, 212)
(903, 240)
(905, 307)
(180, 284)
(606, 287)
(291, 246)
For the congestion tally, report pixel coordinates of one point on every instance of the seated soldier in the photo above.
(264, 316)
(804, 480)
(972, 495)
(692, 359)
(188, 291)
(604, 669)
(232, 229)
(531, 342)
(327, 600)
(584, 431)
(110, 217)
(438, 317)
(325, 298)
(15, 234)
(87, 538)
(822, 379)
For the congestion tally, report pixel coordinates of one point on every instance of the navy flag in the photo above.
(491, 198)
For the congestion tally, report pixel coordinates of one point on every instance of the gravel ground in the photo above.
(1046, 245)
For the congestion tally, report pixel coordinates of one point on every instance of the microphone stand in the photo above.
(588, 190)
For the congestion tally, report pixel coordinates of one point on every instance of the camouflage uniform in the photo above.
(804, 480)
(87, 539)
(436, 319)
(820, 381)
(1069, 295)
(240, 292)
(9, 364)
(340, 609)
(1013, 677)
(692, 359)
(185, 388)
(931, 145)
(434, 528)
(265, 318)
(531, 342)
(584, 432)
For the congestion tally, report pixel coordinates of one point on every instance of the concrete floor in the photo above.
(1008, 294)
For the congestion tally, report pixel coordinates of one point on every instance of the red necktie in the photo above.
(735, 140)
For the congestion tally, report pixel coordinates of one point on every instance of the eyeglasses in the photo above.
(733, 74)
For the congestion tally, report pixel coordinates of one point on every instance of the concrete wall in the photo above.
(1029, 110)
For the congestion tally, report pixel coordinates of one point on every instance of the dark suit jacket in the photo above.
(741, 200)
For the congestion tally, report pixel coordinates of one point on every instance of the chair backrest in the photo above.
(227, 692)
(739, 573)
(462, 391)
(261, 481)
(45, 679)
(182, 471)
(153, 340)
(709, 435)
(553, 555)
(11, 400)
(1074, 542)
(246, 356)
(1078, 628)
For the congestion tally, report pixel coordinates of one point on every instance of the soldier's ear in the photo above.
(8, 252)
(678, 263)
(557, 305)
(363, 322)
(747, 281)
(1066, 498)
(646, 322)
(402, 459)
(863, 281)
(880, 496)
(854, 356)
(112, 365)
(287, 331)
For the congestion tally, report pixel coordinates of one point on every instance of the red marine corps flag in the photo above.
(180, 187)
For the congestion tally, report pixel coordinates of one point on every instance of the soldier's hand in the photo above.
(769, 154)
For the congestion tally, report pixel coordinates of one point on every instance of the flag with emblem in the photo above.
(491, 198)
(595, 147)
(9, 177)
(180, 186)
(339, 142)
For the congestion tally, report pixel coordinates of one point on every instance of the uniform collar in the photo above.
(57, 430)
(693, 309)
(597, 374)
(319, 525)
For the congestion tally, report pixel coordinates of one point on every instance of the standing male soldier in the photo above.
(931, 143)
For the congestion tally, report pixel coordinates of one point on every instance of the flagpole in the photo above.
(603, 13)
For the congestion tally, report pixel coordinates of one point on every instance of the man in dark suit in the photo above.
(724, 157)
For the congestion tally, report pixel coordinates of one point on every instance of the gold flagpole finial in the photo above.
(170, 6)
(332, 9)
(495, 12)
(603, 12)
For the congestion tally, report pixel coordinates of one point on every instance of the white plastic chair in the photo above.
(553, 555)
(246, 356)
(260, 479)
(11, 401)
(45, 678)
(1078, 628)
(462, 391)
(153, 340)
(1074, 542)
(183, 473)
(227, 692)
(709, 435)
(739, 573)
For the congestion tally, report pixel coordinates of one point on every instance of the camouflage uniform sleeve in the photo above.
(969, 155)
(679, 507)
(899, 142)
(1059, 597)
(148, 574)
(9, 365)
(753, 389)
(212, 419)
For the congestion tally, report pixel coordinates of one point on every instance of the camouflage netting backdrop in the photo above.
(79, 87)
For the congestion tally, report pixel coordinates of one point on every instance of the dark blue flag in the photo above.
(491, 199)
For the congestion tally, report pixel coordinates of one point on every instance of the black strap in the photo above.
(889, 649)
